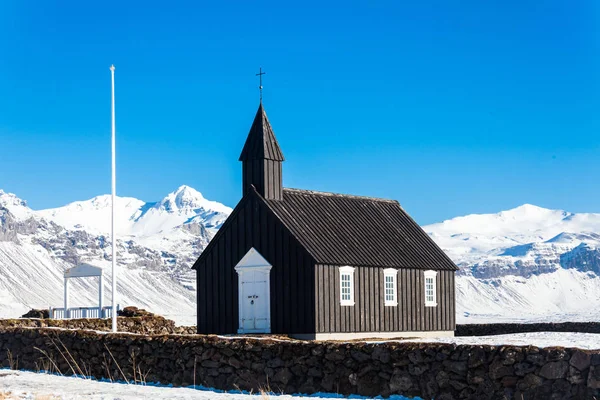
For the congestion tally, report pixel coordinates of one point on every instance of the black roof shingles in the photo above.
(359, 231)
(261, 142)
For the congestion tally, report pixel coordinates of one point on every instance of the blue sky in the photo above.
(449, 107)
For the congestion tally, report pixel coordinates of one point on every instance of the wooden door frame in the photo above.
(253, 261)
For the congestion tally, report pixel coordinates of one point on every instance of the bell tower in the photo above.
(261, 159)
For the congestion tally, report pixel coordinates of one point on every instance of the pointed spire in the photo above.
(261, 143)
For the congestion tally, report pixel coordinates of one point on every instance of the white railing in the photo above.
(81, 312)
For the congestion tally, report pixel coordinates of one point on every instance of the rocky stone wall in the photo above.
(504, 329)
(440, 371)
(151, 325)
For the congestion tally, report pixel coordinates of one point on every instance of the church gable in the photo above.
(252, 224)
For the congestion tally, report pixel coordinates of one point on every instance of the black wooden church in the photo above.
(319, 265)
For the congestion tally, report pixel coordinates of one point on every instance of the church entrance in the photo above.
(254, 293)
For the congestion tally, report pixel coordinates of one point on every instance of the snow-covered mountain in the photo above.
(136, 218)
(525, 263)
(156, 246)
(521, 264)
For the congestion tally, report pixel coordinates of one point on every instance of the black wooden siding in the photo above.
(369, 314)
(265, 175)
(252, 224)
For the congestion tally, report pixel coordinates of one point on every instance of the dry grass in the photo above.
(265, 392)
(12, 362)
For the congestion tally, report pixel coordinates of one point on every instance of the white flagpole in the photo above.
(114, 189)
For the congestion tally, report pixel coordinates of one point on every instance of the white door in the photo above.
(254, 301)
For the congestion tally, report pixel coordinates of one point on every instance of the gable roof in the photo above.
(240, 206)
(251, 199)
(261, 142)
(360, 231)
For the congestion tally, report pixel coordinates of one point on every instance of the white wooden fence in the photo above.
(81, 312)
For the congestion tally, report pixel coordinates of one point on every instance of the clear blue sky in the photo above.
(450, 107)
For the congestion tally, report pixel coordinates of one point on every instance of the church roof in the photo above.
(261, 142)
(359, 231)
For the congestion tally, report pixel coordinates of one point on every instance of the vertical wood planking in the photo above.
(361, 303)
(214, 316)
(221, 274)
(448, 297)
(318, 297)
(284, 276)
(409, 300)
(404, 292)
(277, 310)
(200, 297)
(421, 299)
(350, 310)
(453, 303)
(439, 315)
(290, 289)
(377, 311)
(300, 292)
(334, 298)
(325, 289)
(265, 175)
(228, 272)
(312, 323)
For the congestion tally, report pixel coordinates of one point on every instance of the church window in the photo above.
(347, 286)
(430, 289)
(390, 286)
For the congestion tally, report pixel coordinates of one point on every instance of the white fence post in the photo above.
(100, 293)
(66, 298)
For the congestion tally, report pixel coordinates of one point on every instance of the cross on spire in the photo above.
(260, 87)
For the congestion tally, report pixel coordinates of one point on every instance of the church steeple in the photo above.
(261, 159)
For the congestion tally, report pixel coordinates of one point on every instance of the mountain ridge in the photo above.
(521, 261)
(157, 240)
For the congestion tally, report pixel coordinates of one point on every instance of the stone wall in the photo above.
(150, 325)
(504, 329)
(440, 371)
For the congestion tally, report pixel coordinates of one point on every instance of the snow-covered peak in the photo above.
(184, 197)
(531, 212)
(137, 218)
(10, 199)
(568, 237)
(187, 200)
(518, 232)
(18, 207)
(100, 203)
(94, 215)
(523, 220)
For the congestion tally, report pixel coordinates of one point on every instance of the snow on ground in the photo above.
(31, 385)
(562, 295)
(588, 341)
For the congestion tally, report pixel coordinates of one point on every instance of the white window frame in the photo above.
(347, 271)
(390, 273)
(433, 276)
